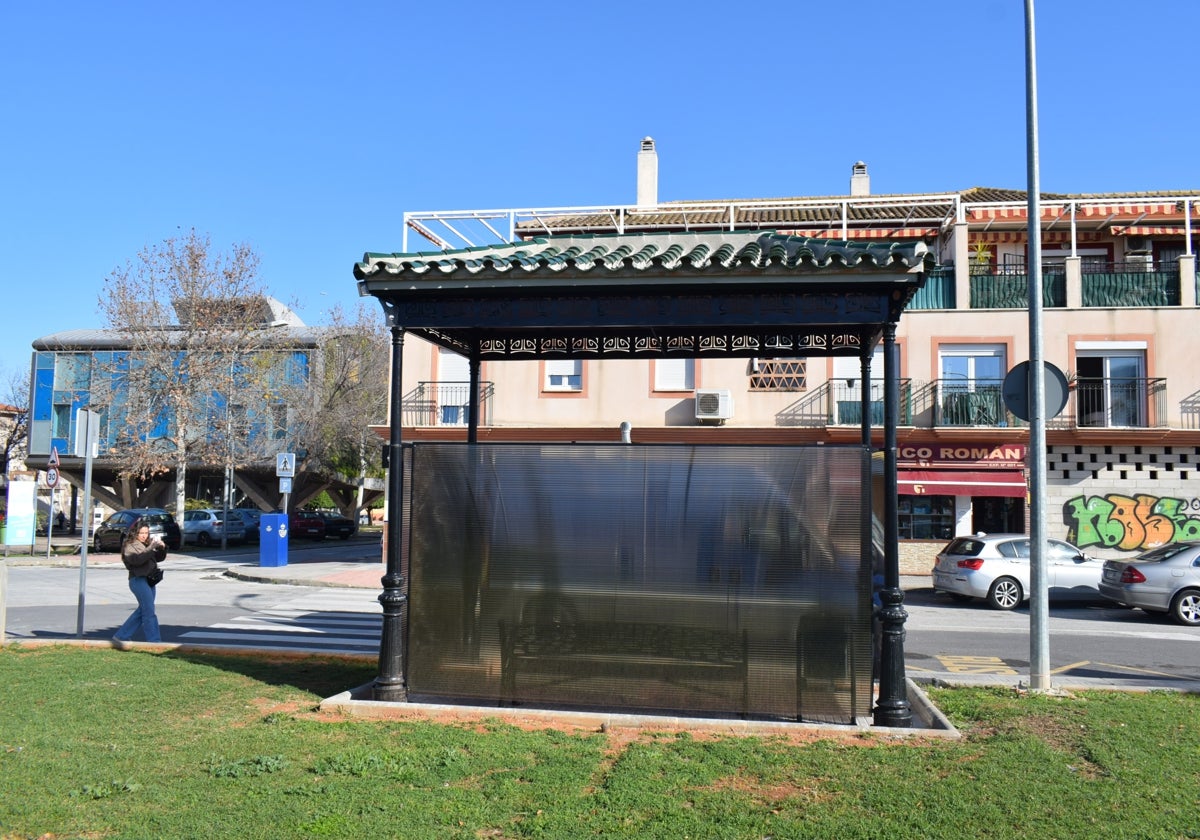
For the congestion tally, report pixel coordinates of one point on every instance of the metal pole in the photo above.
(893, 708)
(391, 685)
(87, 519)
(1039, 597)
(49, 522)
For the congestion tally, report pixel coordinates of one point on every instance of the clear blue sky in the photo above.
(306, 129)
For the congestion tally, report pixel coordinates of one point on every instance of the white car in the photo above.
(995, 567)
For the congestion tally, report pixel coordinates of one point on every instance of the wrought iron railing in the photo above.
(446, 404)
(838, 402)
(1091, 403)
(1115, 402)
(962, 402)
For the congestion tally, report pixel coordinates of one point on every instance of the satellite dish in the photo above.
(1015, 390)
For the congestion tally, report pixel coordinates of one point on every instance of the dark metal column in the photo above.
(473, 398)
(391, 684)
(892, 708)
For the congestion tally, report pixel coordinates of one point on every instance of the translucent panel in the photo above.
(714, 580)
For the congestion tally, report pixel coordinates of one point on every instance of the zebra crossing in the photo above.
(338, 621)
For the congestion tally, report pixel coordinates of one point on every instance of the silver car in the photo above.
(204, 527)
(995, 567)
(1163, 580)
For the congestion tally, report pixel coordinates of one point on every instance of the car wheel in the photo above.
(203, 539)
(1005, 594)
(97, 546)
(1185, 607)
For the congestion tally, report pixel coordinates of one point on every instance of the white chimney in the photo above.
(860, 181)
(647, 176)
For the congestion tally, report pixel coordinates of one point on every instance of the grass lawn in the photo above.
(96, 743)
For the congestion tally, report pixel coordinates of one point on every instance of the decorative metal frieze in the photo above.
(656, 309)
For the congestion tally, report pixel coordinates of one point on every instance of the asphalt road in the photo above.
(1097, 641)
(945, 639)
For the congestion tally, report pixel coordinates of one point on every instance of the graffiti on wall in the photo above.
(1131, 523)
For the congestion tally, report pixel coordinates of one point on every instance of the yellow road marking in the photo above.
(975, 665)
(1069, 667)
(1140, 670)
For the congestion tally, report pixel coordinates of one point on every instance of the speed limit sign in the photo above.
(51, 476)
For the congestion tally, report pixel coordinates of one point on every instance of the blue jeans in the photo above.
(143, 616)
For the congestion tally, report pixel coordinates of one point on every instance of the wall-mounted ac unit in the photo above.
(714, 404)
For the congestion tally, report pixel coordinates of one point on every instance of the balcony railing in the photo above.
(938, 291)
(1114, 402)
(1138, 283)
(962, 402)
(1007, 287)
(838, 402)
(445, 404)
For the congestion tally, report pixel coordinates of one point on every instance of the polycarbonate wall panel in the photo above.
(711, 580)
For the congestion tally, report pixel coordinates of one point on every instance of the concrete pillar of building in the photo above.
(1074, 266)
(962, 267)
(1187, 280)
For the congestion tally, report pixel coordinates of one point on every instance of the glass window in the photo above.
(62, 421)
(966, 367)
(72, 372)
(1014, 548)
(1110, 387)
(926, 517)
(564, 375)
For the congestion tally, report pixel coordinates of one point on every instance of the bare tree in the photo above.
(14, 417)
(190, 322)
(349, 388)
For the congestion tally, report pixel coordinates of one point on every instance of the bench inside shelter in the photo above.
(685, 658)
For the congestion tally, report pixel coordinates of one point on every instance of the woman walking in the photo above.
(141, 556)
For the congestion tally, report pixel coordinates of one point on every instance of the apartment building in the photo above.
(1119, 321)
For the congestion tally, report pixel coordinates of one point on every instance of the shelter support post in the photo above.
(391, 684)
(473, 397)
(892, 707)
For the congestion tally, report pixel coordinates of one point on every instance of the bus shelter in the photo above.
(685, 577)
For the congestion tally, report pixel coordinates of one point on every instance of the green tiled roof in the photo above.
(635, 295)
(711, 254)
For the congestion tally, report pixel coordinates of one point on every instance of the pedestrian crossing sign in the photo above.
(285, 464)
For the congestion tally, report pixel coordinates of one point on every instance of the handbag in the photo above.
(154, 577)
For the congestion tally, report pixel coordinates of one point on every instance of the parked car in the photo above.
(204, 527)
(1163, 580)
(305, 523)
(995, 567)
(110, 532)
(337, 525)
(250, 517)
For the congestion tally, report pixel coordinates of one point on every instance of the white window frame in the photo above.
(674, 374)
(970, 352)
(563, 375)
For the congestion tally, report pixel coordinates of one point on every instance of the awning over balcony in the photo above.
(1150, 230)
(961, 483)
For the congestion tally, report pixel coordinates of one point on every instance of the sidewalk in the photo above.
(300, 572)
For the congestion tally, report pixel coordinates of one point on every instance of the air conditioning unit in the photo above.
(714, 405)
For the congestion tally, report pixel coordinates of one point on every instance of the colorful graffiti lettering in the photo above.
(1131, 523)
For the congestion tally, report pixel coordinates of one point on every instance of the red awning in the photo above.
(961, 483)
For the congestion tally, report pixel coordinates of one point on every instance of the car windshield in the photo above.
(157, 518)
